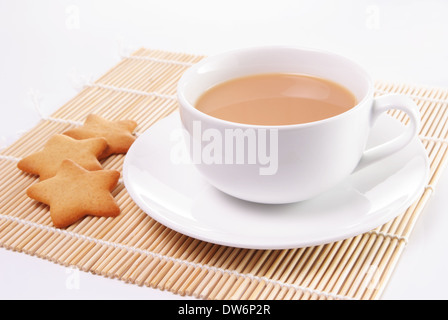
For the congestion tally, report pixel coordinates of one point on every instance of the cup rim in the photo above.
(184, 103)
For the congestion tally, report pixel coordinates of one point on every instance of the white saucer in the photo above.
(178, 197)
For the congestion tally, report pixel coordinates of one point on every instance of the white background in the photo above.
(47, 46)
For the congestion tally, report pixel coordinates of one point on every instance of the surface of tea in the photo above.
(276, 99)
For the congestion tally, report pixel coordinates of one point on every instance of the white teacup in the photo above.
(292, 162)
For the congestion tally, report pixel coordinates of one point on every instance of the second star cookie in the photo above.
(46, 162)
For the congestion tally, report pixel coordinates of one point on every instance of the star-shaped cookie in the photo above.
(46, 162)
(117, 133)
(75, 192)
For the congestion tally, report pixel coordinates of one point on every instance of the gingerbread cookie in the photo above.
(75, 192)
(117, 133)
(46, 162)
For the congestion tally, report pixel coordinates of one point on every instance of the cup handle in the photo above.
(383, 104)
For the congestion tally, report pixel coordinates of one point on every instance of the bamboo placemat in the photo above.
(136, 249)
